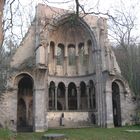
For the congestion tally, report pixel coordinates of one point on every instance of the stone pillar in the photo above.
(55, 98)
(78, 98)
(101, 106)
(66, 60)
(13, 109)
(109, 109)
(39, 109)
(39, 104)
(48, 55)
(55, 57)
(66, 98)
(91, 98)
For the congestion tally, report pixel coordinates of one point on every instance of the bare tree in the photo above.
(122, 27)
(2, 3)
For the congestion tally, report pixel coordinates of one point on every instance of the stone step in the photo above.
(54, 137)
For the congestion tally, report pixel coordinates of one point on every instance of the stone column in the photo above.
(55, 98)
(39, 104)
(13, 109)
(66, 98)
(39, 110)
(55, 57)
(77, 65)
(78, 98)
(47, 55)
(109, 109)
(91, 98)
(101, 106)
(66, 60)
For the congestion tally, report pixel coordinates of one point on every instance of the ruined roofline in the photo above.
(61, 11)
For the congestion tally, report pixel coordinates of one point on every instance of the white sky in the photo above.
(103, 5)
(95, 5)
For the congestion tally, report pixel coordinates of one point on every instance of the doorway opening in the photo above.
(25, 104)
(116, 104)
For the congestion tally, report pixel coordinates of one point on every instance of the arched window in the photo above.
(60, 54)
(61, 96)
(71, 55)
(81, 53)
(52, 96)
(52, 45)
(116, 104)
(92, 95)
(83, 96)
(89, 48)
(72, 96)
(89, 44)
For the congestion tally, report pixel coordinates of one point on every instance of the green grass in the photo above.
(79, 134)
(6, 134)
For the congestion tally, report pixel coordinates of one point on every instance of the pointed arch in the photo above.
(116, 104)
(83, 96)
(25, 94)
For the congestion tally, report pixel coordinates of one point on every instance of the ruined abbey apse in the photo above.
(65, 74)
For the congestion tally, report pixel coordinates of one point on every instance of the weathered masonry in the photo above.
(65, 74)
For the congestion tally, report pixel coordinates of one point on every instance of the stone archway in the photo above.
(83, 96)
(61, 103)
(25, 104)
(72, 97)
(52, 96)
(92, 95)
(116, 104)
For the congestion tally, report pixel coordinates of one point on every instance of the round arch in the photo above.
(25, 86)
(83, 96)
(92, 95)
(61, 96)
(52, 95)
(72, 96)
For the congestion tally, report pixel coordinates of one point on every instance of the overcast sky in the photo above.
(94, 5)
(100, 5)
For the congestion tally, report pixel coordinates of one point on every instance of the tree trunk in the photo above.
(2, 2)
(77, 7)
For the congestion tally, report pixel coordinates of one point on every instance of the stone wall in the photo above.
(8, 106)
(70, 119)
(26, 48)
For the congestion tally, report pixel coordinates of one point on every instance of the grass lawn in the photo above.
(79, 134)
